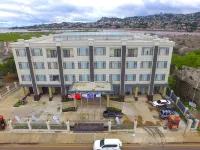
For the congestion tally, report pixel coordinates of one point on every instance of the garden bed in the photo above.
(66, 99)
(69, 109)
(118, 99)
(114, 109)
(17, 104)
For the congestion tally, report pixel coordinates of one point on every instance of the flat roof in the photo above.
(100, 87)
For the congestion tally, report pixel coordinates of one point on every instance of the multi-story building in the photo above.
(134, 63)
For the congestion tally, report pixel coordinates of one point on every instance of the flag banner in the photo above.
(71, 95)
(91, 95)
(78, 96)
(84, 96)
(34, 118)
(55, 118)
(98, 95)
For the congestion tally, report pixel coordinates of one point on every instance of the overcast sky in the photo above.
(29, 12)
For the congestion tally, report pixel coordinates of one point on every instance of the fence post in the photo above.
(171, 93)
(185, 111)
(189, 124)
(196, 123)
(135, 125)
(68, 126)
(109, 126)
(29, 124)
(48, 126)
(177, 99)
(15, 83)
(10, 124)
(8, 88)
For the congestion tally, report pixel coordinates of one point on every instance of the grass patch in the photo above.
(117, 99)
(20, 127)
(69, 109)
(198, 129)
(114, 109)
(66, 99)
(17, 104)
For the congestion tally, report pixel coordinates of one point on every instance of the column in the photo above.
(164, 91)
(35, 89)
(123, 65)
(136, 92)
(29, 124)
(153, 73)
(91, 58)
(75, 105)
(147, 90)
(60, 64)
(68, 126)
(48, 125)
(185, 111)
(135, 125)
(160, 89)
(50, 92)
(108, 100)
(177, 99)
(189, 124)
(8, 88)
(24, 91)
(10, 124)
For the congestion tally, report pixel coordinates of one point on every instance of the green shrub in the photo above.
(17, 104)
(117, 99)
(66, 99)
(114, 109)
(69, 109)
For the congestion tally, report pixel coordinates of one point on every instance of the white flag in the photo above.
(18, 119)
(84, 95)
(98, 95)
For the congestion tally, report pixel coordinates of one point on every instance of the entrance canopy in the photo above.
(95, 87)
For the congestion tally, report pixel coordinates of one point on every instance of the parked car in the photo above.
(161, 102)
(107, 144)
(164, 114)
(107, 114)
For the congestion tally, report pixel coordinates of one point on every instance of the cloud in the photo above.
(29, 12)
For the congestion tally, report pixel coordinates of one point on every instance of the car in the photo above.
(107, 114)
(161, 102)
(164, 114)
(107, 144)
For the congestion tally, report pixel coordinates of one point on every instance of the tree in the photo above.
(8, 66)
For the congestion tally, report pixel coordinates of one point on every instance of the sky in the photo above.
(30, 12)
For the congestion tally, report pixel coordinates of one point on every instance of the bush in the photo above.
(114, 109)
(117, 99)
(66, 99)
(69, 109)
(17, 104)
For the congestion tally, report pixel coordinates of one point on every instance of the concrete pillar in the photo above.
(147, 90)
(24, 91)
(15, 83)
(177, 100)
(189, 124)
(135, 125)
(136, 92)
(48, 126)
(133, 90)
(10, 124)
(160, 89)
(40, 90)
(53, 90)
(109, 126)
(8, 88)
(29, 124)
(108, 100)
(171, 93)
(75, 105)
(185, 111)
(164, 91)
(196, 123)
(50, 91)
(68, 126)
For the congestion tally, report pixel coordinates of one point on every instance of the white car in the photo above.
(161, 102)
(107, 144)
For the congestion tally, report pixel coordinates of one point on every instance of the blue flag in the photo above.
(91, 95)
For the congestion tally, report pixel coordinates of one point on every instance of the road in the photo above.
(89, 147)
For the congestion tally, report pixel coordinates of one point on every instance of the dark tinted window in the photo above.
(101, 143)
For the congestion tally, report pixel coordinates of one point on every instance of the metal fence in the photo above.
(9, 89)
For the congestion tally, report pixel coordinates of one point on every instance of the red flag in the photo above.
(78, 96)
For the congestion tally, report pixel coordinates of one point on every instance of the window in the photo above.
(114, 77)
(147, 51)
(101, 143)
(20, 52)
(146, 64)
(82, 52)
(52, 65)
(163, 51)
(131, 64)
(51, 53)
(84, 77)
(83, 65)
(37, 52)
(68, 65)
(99, 64)
(54, 77)
(38, 65)
(23, 65)
(99, 51)
(162, 64)
(144, 77)
(160, 77)
(115, 52)
(115, 64)
(132, 52)
(130, 77)
(70, 77)
(41, 77)
(26, 77)
(68, 52)
(100, 77)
